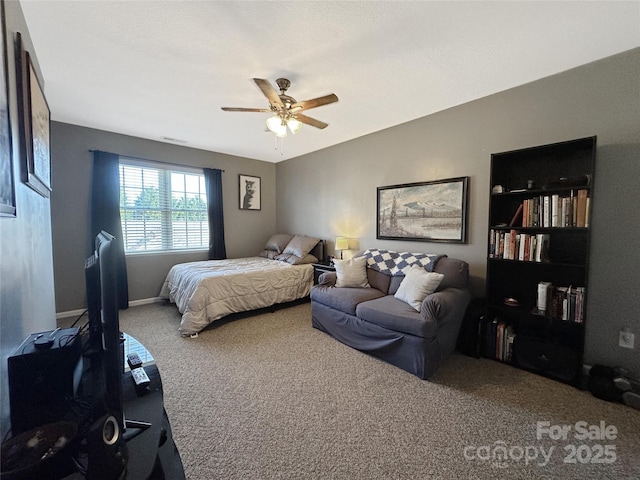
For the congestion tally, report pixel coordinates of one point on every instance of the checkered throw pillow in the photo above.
(399, 263)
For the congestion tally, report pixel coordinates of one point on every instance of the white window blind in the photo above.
(162, 207)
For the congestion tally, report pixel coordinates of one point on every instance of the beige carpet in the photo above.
(266, 396)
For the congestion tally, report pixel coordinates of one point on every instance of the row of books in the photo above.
(513, 245)
(562, 303)
(554, 211)
(498, 340)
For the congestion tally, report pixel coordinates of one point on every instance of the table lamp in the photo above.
(342, 243)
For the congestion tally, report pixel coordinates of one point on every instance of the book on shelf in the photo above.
(581, 208)
(555, 200)
(554, 211)
(506, 241)
(516, 215)
(498, 340)
(543, 297)
(494, 244)
(513, 247)
(490, 338)
(542, 247)
(546, 211)
(511, 335)
(524, 247)
(586, 213)
(560, 302)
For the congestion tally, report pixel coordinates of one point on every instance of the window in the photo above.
(162, 208)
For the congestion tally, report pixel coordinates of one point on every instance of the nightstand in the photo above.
(319, 269)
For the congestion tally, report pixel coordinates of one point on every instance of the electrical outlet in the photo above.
(626, 338)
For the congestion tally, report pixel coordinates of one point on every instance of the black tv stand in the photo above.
(151, 450)
(133, 428)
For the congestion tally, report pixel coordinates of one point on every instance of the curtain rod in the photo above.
(155, 161)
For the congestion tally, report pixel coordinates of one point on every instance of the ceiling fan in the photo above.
(286, 109)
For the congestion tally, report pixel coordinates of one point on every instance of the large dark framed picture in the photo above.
(7, 186)
(34, 123)
(433, 211)
(249, 192)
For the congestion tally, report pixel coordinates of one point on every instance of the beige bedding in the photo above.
(209, 290)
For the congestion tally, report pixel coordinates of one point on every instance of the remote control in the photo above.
(140, 377)
(133, 359)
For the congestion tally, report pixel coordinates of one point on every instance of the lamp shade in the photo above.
(294, 125)
(342, 243)
(277, 126)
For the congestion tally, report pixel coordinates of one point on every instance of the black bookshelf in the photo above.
(514, 330)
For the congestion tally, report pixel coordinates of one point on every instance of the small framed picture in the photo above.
(249, 192)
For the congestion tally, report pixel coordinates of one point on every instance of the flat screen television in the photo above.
(105, 343)
(106, 351)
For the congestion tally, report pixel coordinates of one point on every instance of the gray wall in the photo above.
(245, 231)
(333, 192)
(26, 271)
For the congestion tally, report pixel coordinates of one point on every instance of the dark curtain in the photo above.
(105, 212)
(213, 185)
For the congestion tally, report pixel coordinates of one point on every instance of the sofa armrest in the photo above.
(446, 309)
(327, 279)
(446, 306)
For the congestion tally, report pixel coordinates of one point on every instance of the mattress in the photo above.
(209, 290)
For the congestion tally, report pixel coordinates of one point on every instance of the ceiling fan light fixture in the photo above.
(285, 109)
(294, 125)
(277, 126)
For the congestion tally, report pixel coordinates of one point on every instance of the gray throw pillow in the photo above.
(300, 245)
(278, 242)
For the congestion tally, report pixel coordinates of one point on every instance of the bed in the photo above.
(209, 290)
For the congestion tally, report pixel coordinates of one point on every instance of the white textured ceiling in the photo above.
(157, 69)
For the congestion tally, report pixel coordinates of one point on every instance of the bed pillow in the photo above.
(293, 260)
(351, 273)
(278, 242)
(300, 245)
(416, 285)
(270, 254)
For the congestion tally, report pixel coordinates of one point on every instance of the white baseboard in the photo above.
(133, 303)
(146, 301)
(70, 313)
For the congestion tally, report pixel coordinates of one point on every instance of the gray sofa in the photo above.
(372, 320)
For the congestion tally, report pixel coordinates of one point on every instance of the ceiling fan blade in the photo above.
(241, 109)
(311, 121)
(269, 92)
(315, 102)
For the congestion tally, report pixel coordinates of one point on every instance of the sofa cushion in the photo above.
(394, 314)
(417, 284)
(351, 273)
(456, 273)
(378, 280)
(344, 299)
(394, 284)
